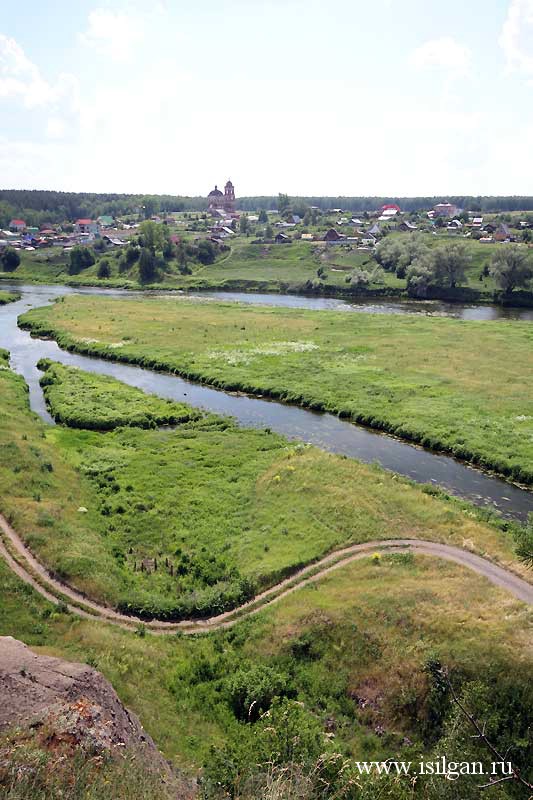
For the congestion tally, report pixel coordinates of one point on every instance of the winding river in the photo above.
(433, 308)
(323, 430)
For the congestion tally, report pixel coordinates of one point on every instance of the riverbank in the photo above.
(457, 296)
(8, 297)
(437, 382)
(304, 268)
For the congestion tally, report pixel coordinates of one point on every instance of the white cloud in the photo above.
(56, 128)
(22, 81)
(113, 34)
(20, 78)
(516, 38)
(444, 53)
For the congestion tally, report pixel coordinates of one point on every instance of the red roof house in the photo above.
(87, 226)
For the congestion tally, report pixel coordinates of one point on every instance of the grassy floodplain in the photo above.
(193, 520)
(462, 387)
(94, 402)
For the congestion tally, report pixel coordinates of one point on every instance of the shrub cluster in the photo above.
(198, 604)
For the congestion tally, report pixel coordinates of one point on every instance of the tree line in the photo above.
(446, 266)
(38, 207)
(480, 203)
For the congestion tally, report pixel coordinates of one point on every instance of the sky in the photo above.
(307, 97)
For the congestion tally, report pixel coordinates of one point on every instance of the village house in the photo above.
(388, 212)
(87, 226)
(503, 234)
(407, 226)
(113, 241)
(106, 221)
(445, 210)
(222, 231)
(333, 236)
(282, 238)
(454, 226)
(17, 225)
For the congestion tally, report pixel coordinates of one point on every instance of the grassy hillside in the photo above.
(462, 387)
(356, 652)
(269, 267)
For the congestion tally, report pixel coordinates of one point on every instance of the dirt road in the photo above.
(30, 570)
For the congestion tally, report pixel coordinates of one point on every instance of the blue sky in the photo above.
(389, 97)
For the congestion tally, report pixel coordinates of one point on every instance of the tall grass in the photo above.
(464, 388)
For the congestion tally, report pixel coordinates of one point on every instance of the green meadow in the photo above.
(193, 520)
(95, 402)
(456, 386)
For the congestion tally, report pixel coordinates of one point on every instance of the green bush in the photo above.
(9, 259)
(79, 259)
(252, 689)
(104, 269)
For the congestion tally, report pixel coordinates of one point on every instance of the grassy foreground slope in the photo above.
(463, 387)
(356, 652)
(192, 521)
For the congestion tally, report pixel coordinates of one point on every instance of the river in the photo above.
(323, 430)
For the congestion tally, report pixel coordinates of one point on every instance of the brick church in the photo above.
(218, 202)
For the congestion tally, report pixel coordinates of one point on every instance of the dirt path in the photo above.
(30, 570)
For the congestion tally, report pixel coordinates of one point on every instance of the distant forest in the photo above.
(482, 203)
(39, 207)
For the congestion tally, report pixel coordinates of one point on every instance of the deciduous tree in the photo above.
(450, 263)
(511, 268)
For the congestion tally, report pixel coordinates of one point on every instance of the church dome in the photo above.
(215, 193)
